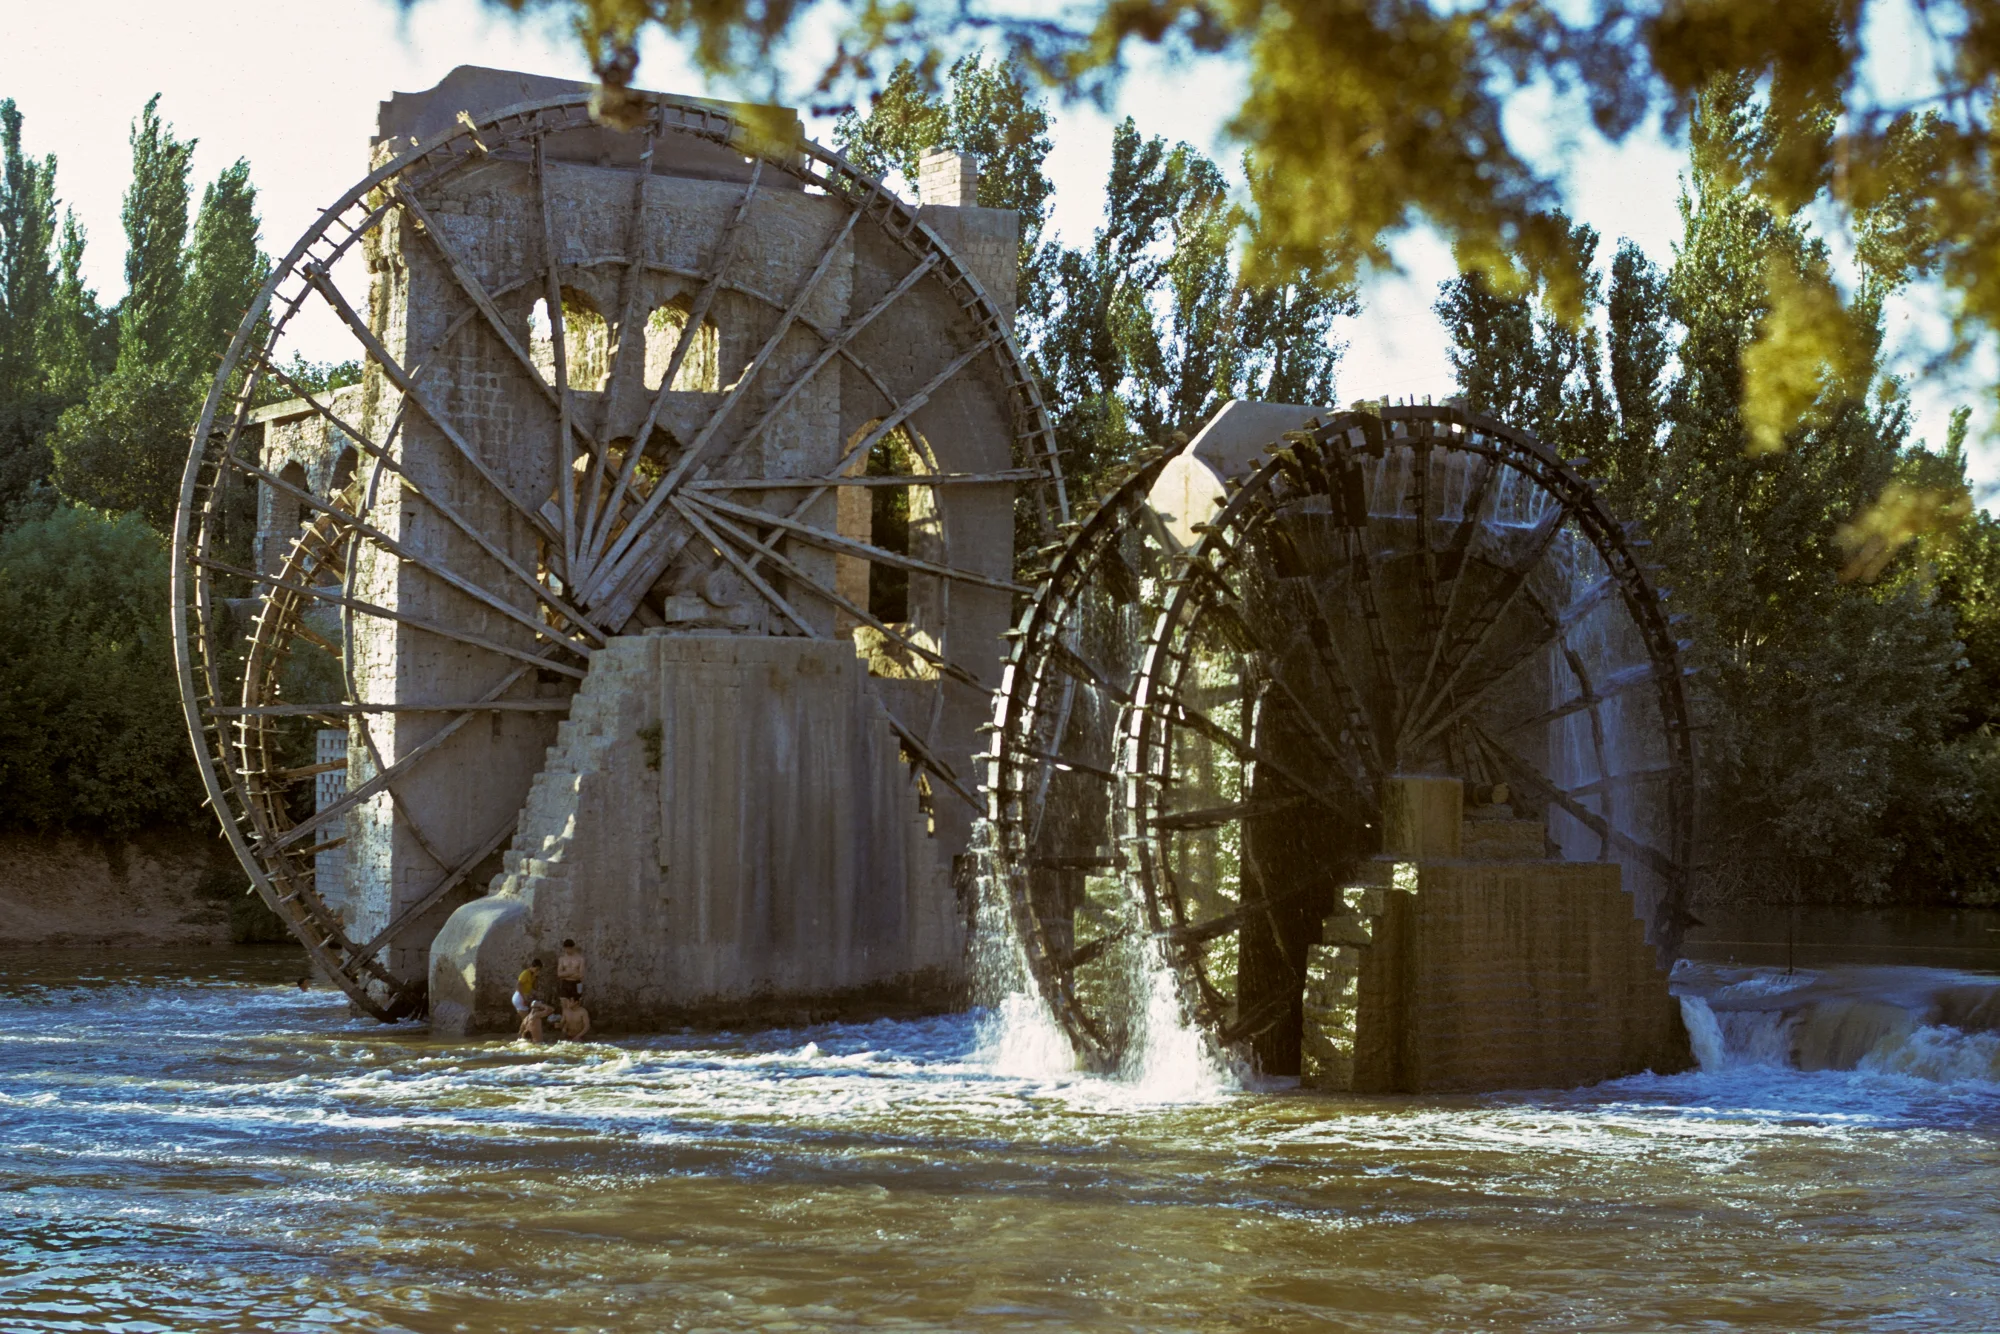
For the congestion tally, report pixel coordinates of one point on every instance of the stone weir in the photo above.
(1470, 958)
(724, 827)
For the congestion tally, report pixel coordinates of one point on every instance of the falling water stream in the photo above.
(187, 1142)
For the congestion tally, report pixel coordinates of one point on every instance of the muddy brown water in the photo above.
(187, 1142)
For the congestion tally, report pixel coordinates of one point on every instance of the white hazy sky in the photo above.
(293, 87)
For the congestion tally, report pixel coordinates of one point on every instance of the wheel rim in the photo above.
(1320, 637)
(531, 577)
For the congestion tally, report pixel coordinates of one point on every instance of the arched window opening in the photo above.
(287, 503)
(586, 341)
(700, 368)
(343, 469)
(889, 521)
(541, 340)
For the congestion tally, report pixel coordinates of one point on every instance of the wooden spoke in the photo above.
(852, 608)
(1612, 782)
(353, 709)
(483, 302)
(355, 796)
(743, 567)
(832, 348)
(1462, 705)
(435, 895)
(1062, 762)
(1618, 683)
(1083, 669)
(1420, 463)
(696, 454)
(424, 562)
(1538, 787)
(711, 284)
(631, 357)
(1296, 704)
(897, 416)
(922, 755)
(408, 386)
(328, 594)
(1214, 817)
(1362, 579)
(1490, 615)
(559, 351)
(1003, 476)
(819, 537)
(1455, 556)
(448, 512)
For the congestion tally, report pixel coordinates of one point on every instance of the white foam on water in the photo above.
(1939, 1054)
(1711, 1048)
(1866, 1021)
(1020, 1039)
(1170, 1060)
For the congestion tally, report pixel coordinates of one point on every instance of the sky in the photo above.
(293, 86)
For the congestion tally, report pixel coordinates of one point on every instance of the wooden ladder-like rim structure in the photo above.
(1204, 596)
(231, 698)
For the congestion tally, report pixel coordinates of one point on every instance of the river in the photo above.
(188, 1142)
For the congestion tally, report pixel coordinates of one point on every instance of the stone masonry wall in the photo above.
(725, 827)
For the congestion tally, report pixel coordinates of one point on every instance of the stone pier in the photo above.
(1469, 958)
(726, 827)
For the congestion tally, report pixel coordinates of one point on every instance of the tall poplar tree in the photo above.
(124, 447)
(156, 222)
(224, 269)
(1828, 702)
(1158, 321)
(27, 235)
(985, 108)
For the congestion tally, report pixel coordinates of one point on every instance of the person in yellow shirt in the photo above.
(524, 988)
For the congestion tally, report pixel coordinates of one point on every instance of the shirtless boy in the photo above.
(531, 1023)
(569, 986)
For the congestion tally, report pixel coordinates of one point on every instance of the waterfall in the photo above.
(1920, 1023)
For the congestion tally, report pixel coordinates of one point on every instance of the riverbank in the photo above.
(167, 887)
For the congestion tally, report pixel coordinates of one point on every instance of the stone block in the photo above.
(1503, 840)
(1518, 974)
(726, 825)
(1422, 817)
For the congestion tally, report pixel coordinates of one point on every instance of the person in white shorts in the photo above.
(524, 988)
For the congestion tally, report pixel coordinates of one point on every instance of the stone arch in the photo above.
(344, 466)
(701, 368)
(288, 505)
(903, 520)
(586, 340)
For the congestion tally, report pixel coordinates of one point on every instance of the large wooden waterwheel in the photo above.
(559, 447)
(1188, 758)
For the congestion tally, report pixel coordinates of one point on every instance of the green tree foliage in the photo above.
(987, 109)
(124, 446)
(27, 279)
(80, 341)
(224, 268)
(101, 402)
(1364, 118)
(1831, 704)
(156, 220)
(91, 736)
(1157, 322)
